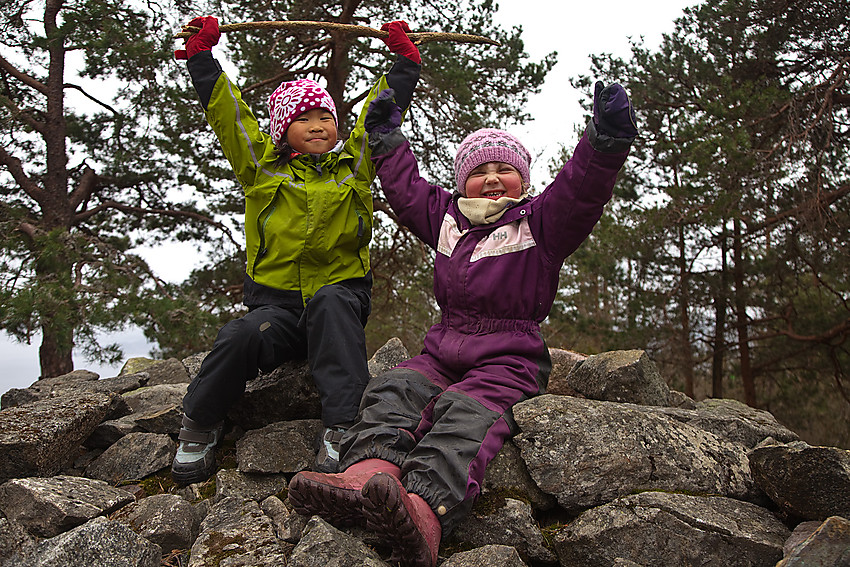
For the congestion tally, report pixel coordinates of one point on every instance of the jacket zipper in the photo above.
(262, 228)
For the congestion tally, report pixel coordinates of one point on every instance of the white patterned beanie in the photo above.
(292, 99)
(489, 144)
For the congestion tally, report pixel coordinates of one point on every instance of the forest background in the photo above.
(723, 254)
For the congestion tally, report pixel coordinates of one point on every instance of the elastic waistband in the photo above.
(480, 326)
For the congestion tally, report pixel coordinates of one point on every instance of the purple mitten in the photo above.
(613, 114)
(384, 115)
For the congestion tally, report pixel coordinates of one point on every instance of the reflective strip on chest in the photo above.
(504, 240)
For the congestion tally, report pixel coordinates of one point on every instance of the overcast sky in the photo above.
(574, 30)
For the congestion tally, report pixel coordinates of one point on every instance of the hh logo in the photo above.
(508, 239)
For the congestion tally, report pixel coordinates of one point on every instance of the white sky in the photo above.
(575, 30)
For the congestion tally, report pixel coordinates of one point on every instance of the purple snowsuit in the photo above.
(444, 414)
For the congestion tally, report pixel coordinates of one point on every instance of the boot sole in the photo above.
(338, 506)
(386, 515)
(183, 478)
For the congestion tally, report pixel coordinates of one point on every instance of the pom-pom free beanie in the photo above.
(490, 144)
(292, 99)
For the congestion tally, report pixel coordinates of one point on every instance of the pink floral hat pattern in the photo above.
(293, 98)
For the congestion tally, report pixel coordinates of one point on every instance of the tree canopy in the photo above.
(81, 187)
(726, 252)
(133, 161)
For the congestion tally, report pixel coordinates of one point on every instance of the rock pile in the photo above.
(609, 468)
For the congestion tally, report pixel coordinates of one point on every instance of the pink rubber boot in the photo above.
(337, 497)
(403, 520)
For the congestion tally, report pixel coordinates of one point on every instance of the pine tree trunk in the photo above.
(687, 359)
(720, 303)
(742, 319)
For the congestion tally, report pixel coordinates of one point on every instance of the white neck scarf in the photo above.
(480, 210)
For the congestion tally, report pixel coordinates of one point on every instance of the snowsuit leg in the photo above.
(328, 333)
(261, 340)
(336, 350)
(443, 433)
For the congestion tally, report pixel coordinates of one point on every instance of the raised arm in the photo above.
(573, 203)
(231, 119)
(401, 78)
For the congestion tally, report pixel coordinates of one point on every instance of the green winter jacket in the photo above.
(308, 223)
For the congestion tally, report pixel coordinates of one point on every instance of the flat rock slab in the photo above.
(133, 457)
(46, 507)
(657, 528)
(282, 447)
(40, 438)
(588, 452)
(98, 542)
(806, 482)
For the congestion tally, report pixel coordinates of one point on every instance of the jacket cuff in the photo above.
(402, 78)
(605, 143)
(381, 143)
(205, 71)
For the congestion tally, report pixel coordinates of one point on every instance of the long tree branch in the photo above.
(822, 200)
(21, 76)
(347, 29)
(141, 211)
(13, 165)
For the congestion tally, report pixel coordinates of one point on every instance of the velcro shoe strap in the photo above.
(193, 436)
(334, 435)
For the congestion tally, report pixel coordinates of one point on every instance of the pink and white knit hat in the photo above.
(293, 98)
(489, 144)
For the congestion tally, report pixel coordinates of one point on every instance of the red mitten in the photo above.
(201, 41)
(399, 43)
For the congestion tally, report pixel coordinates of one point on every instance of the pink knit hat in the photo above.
(292, 99)
(489, 144)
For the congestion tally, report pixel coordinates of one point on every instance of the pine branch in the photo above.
(346, 29)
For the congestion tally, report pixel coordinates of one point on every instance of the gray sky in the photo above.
(575, 30)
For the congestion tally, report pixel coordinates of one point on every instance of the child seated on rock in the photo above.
(415, 459)
(308, 222)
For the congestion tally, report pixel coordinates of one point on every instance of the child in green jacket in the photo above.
(308, 222)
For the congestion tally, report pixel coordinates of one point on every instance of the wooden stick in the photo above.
(349, 29)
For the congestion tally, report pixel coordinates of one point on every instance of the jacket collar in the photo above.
(513, 213)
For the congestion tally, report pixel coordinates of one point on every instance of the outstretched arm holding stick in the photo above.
(308, 223)
(348, 29)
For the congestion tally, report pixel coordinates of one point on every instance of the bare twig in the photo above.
(347, 29)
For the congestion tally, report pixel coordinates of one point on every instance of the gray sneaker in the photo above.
(327, 457)
(195, 458)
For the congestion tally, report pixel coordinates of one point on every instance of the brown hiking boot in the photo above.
(336, 497)
(404, 521)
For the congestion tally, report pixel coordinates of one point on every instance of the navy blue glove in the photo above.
(383, 115)
(613, 114)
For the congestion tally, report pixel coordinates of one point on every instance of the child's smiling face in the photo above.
(493, 180)
(313, 132)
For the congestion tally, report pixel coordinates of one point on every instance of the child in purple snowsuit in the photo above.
(415, 459)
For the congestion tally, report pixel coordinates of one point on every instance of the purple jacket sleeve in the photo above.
(419, 205)
(572, 204)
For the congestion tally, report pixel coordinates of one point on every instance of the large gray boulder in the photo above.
(41, 437)
(808, 483)
(588, 452)
(99, 542)
(656, 528)
(47, 507)
(238, 530)
(620, 376)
